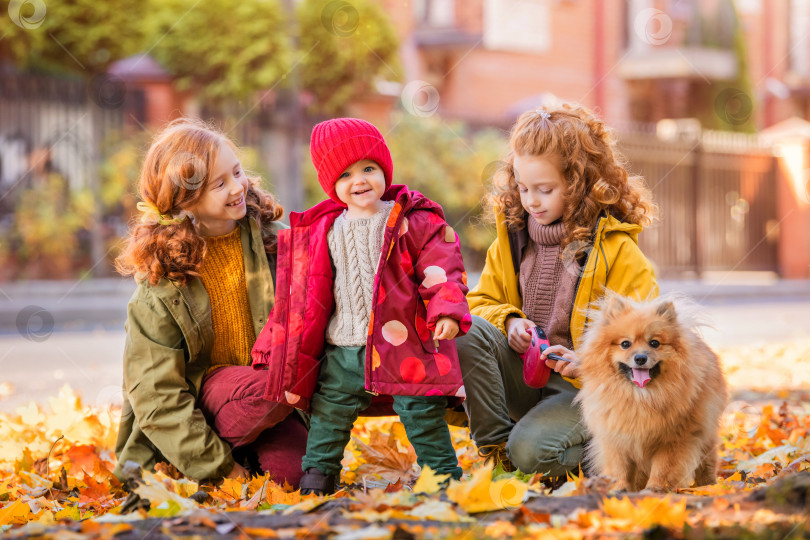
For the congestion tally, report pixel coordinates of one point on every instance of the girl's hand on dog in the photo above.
(569, 368)
(518, 333)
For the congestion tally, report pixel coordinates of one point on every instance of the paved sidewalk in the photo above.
(100, 304)
(85, 347)
(76, 305)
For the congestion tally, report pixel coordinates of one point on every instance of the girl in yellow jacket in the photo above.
(568, 217)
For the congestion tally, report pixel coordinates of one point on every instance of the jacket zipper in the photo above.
(579, 279)
(382, 265)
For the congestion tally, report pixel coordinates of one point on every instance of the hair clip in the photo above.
(544, 114)
(151, 214)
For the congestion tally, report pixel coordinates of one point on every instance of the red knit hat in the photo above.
(337, 144)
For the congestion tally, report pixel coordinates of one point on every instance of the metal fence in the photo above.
(52, 125)
(717, 193)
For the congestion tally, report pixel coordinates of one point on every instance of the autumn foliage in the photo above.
(56, 463)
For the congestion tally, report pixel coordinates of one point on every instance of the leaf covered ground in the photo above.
(56, 461)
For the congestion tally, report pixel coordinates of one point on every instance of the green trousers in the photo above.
(341, 395)
(542, 429)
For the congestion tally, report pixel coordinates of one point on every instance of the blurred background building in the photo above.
(709, 100)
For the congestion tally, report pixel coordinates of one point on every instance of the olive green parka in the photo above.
(169, 336)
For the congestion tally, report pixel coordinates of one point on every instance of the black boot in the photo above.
(314, 481)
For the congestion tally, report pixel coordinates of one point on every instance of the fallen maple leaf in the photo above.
(429, 482)
(438, 511)
(649, 511)
(16, 513)
(164, 503)
(481, 494)
(384, 456)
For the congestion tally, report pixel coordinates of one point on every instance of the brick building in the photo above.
(632, 60)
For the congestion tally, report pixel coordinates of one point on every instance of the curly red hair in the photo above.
(173, 178)
(594, 172)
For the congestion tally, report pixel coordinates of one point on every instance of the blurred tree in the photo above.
(46, 222)
(220, 49)
(345, 47)
(451, 165)
(724, 105)
(83, 36)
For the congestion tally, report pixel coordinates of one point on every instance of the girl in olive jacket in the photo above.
(203, 254)
(568, 217)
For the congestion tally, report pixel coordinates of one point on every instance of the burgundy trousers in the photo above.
(231, 400)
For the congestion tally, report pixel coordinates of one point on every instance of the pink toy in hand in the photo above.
(535, 370)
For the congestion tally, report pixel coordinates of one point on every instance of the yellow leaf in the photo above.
(232, 487)
(736, 477)
(46, 518)
(15, 513)
(259, 532)
(163, 502)
(70, 512)
(436, 511)
(30, 415)
(183, 487)
(26, 462)
(650, 511)
(306, 506)
(429, 482)
(279, 495)
(481, 494)
(620, 508)
(664, 512)
(500, 529)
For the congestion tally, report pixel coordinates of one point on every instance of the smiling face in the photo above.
(541, 187)
(361, 186)
(223, 201)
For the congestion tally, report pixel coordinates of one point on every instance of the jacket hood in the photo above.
(614, 225)
(411, 200)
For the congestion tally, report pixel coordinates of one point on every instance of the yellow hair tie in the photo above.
(151, 211)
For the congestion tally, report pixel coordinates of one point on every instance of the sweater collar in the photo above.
(546, 235)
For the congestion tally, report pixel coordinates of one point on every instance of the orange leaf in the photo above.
(83, 459)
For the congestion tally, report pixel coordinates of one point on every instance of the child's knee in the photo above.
(475, 336)
(539, 453)
(420, 407)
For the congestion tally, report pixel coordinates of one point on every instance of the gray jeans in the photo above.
(542, 429)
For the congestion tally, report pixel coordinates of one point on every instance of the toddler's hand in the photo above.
(446, 328)
(569, 367)
(518, 333)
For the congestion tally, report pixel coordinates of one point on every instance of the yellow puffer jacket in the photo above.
(615, 262)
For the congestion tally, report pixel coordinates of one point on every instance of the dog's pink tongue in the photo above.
(641, 377)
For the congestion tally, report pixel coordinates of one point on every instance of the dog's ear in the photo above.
(666, 310)
(613, 306)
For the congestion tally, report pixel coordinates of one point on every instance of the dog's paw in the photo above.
(654, 490)
(619, 487)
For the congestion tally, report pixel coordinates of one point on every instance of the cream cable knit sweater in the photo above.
(355, 246)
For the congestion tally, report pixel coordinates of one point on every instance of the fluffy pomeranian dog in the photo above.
(652, 395)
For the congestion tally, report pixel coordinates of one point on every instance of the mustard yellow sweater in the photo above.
(223, 275)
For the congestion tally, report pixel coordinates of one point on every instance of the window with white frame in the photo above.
(799, 44)
(517, 25)
(435, 13)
